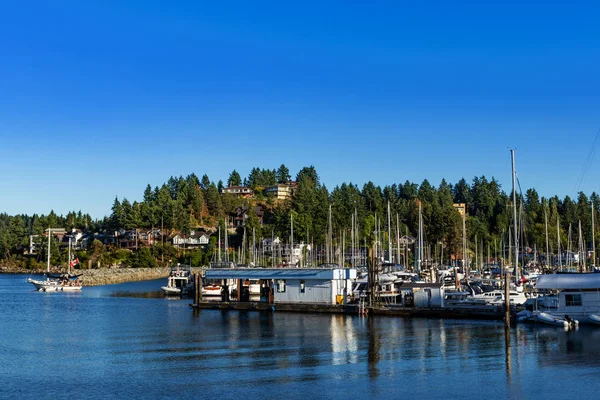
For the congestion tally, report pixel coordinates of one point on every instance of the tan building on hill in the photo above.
(279, 191)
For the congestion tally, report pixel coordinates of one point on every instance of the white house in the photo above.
(193, 240)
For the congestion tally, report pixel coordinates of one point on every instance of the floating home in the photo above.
(576, 295)
(290, 285)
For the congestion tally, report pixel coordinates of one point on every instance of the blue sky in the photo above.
(100, 98)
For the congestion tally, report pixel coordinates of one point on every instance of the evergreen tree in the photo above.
(205, 182)
(234, 179)
(283, 174)
(213, 200)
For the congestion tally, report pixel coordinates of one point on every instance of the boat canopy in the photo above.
(569, 281)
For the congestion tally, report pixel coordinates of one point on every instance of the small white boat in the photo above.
(524, 316)
(180, 281)
(211, 290)
(594, 319)
(550, 319)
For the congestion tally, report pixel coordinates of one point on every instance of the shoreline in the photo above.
(105, 276)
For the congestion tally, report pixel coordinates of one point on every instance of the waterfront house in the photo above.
(150, 237)
(271, 244)
(193, 240)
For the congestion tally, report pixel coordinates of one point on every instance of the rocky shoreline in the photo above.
(108, 276)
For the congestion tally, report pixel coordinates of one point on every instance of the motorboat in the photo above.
(497, 296)
(211, 290)
(180, 281)
(549, 319)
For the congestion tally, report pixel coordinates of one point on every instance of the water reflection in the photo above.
(163, 343)
(508, 354)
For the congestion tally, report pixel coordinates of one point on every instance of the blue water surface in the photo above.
(128, 341)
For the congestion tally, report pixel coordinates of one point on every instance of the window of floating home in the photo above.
(302, 286)
(573, 300)
(281, 286)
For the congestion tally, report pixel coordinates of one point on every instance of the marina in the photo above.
(116, 331)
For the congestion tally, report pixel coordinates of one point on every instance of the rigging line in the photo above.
(587, 163)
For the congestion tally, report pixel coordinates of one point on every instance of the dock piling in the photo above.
(507, 299)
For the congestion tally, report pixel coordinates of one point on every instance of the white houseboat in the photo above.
(575, 295)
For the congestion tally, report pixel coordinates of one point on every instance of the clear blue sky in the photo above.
(97, 99)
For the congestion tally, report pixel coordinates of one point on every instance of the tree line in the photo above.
(185, 203)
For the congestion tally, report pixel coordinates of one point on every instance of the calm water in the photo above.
(124, 341)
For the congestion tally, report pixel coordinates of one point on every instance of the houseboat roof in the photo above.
(569, 281)
(275, 273)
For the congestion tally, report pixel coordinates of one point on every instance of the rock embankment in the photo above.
(107, 276)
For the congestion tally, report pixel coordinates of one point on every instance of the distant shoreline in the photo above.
(104, 276)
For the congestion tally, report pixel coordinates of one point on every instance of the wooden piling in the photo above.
(199, 285)
(197, 288)
(507, 299)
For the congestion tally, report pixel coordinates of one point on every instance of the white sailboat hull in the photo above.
(53, 286)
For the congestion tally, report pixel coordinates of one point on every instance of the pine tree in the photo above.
(234, 179)
(283, 174)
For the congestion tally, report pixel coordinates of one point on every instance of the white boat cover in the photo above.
(569, 281)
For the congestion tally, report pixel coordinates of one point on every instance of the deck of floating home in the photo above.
(486, 313)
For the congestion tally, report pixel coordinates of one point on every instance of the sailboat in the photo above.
(57, 283)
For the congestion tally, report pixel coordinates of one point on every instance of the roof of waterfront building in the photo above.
(569, 281)
(277, 273)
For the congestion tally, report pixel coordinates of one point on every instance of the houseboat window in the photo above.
(302, 286)
(573, 300)
(281, 286)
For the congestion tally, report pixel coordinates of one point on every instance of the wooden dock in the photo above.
(477, 313)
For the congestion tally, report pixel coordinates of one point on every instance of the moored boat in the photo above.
(58, 283)
(573, 294)
(211, 290)
(566, 321)
(594, 319)
(180, 281)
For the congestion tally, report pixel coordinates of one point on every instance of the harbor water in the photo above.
(128, 341)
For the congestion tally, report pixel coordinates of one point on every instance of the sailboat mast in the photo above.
(420, 252)
(476, 258)
(391, 257)
(291, 238)
(464, 238)
(558, 238)
(219, 242)
(69, 258)
(593, 263)
(49, 240)
(547, 242)
(512, 156)
(581, 250)
(398, 238)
